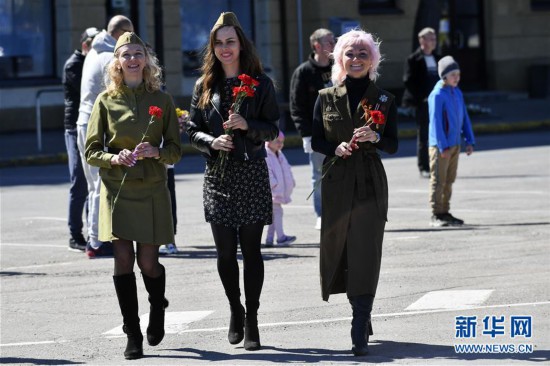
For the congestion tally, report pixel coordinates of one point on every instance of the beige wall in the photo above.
(517, 38)
(394, 30)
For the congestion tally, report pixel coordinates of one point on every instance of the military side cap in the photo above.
(227, 19)
(128, 38)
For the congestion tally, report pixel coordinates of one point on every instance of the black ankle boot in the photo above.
(156, 287)
(251, 333)
(361, 326)
(236, 324)
(125, 286)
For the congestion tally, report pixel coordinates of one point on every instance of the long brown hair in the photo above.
(212, 71)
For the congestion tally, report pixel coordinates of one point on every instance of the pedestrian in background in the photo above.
(308, 78)
(78, 192)
(93, 83)
(237, 196)
(355, 188)
(132, 133)
(449, 122)
(420, 78)
(282, 184)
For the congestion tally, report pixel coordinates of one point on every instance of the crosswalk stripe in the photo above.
(174, 323)
(450, 299)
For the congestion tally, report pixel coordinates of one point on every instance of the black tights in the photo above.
(227, 240)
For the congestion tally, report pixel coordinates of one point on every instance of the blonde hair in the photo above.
(152, 74)
(351, 38)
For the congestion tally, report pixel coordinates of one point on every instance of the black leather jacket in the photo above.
(261, 113)
(72, 73)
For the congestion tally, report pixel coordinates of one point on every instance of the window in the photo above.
(197, 20)
(540, 5)
(378, 7)
(26, 39)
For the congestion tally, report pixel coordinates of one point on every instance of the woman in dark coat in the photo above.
(236, 191)
(354, 189)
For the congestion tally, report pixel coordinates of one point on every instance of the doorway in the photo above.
(461, 35)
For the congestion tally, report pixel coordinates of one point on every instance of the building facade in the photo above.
(501, 45)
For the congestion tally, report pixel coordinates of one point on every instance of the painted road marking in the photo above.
(33, 245)
(317, 321)
(174, 323)
(450, 299)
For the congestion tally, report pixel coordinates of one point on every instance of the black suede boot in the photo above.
(125, 286)
(251, 332)
(156, 287)
(361, 326)
(236, 324)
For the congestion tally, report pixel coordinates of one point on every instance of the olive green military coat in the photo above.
(354, 192)
(142, 211)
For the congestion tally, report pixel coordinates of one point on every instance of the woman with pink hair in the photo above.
(354, 190)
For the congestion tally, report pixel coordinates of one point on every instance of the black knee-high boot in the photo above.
(361, 326)
(251, 331)
(125, 286)
(236, 323)
(156, 287)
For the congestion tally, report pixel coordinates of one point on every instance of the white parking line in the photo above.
(317, 321)
(33, 245)
(39, 266)
(45, 218)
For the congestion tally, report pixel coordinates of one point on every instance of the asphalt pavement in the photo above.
(477, 294)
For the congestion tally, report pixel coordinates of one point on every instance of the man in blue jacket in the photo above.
(449, 121)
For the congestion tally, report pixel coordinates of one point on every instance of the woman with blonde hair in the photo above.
(132, 133)
(355, 190)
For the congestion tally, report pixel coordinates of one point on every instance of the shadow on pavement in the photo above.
(36, 361)
(381, 351)
(210, 252)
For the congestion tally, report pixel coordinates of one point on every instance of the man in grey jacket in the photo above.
(93, 83)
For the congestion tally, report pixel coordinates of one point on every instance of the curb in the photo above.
(290, 141)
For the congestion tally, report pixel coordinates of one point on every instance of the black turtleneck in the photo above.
(356, 89)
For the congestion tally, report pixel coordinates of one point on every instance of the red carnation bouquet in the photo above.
(372, 117)
(246, 89)
(154, 112)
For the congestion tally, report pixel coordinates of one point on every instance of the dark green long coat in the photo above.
(143, 210)
(354, 191)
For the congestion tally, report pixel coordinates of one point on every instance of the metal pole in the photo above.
(39, 115)
(38, 123)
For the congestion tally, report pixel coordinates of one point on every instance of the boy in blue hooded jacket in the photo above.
(449, 122)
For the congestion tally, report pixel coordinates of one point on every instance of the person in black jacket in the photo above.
(78, 193)
(307, 80)
(236, 190)
(420, 78)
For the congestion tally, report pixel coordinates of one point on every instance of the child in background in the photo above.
(282, 183)
(449, 121)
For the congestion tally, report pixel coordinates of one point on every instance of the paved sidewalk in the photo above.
(506, 114)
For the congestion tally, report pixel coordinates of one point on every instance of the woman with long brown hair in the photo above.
(236, 191)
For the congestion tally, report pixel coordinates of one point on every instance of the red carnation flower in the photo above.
(155, 111)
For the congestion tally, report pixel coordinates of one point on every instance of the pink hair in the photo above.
(355, 37)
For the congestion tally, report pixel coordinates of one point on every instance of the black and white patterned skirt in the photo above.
(241, 197)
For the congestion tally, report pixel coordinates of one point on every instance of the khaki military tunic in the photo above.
(142, 211)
